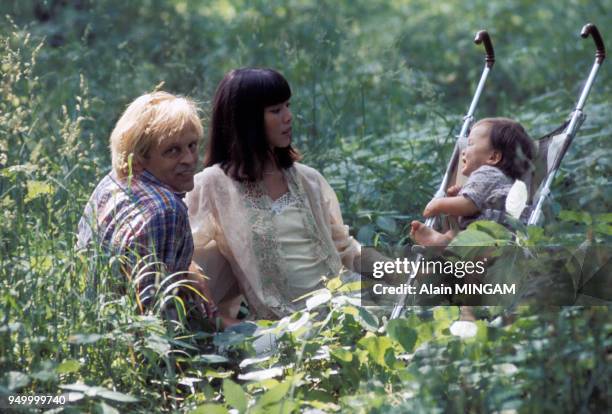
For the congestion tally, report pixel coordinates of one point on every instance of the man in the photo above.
(137, 211)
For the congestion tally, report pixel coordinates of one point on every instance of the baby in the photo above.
(498, 152)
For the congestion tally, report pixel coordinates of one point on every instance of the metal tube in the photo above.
(467, 123)
(587, 86)
(397, 309)
(537, 211)
(570, 131)
(470, 114)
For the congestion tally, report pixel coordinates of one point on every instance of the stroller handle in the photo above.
(591, 29)
(576, 119)
(483, 37)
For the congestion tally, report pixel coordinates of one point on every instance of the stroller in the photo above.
(551, 149)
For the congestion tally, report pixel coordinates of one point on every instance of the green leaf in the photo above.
(333, 284)
(493, 229)
(103, 408)
(262, 374)
(68, 366)
(74, 396)
(603, 228)
(45, 375)
(102, 392)
(81, 339)
(15, 380)
(446, 313)
(376, 347)
(444, 316)
(387, 224)
(158, 344)
(472, 237)
(389, 357)
(576, 216)
(342, 354)
(112, 395)
(250, 361)
(319, 299)
(283, 407)
(15, 169)
(367, 320)
(298, 320)
(261, 385)
(535, 234)
(228, 338)
(217, 374)
(350, 287)
(365, 235)
(604, 218)
(37, 188)
(243, 328)
(76, 387)
(483, 331)
(401, 331)
(211, 358)
(274, 394)
(234, 395)
(209, 409)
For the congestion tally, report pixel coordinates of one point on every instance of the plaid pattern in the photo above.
(139, 219)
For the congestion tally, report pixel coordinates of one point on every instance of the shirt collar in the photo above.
(146, 176)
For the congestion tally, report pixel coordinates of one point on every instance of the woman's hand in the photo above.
(227, 321)
(209, 306)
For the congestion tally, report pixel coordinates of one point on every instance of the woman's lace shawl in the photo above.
(236, 244)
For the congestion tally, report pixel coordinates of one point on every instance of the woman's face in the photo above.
(277, 121)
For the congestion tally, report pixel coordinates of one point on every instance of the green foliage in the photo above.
(379, 89)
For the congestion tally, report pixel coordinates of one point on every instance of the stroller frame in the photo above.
(481, 37)
(577, 117)
(569, 128)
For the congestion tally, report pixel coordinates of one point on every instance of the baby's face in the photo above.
(479, 151)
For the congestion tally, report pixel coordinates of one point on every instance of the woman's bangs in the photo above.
(275, 89)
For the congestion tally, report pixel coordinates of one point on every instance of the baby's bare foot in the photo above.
(426, 236)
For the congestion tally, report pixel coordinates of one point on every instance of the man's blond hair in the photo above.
(149, 120)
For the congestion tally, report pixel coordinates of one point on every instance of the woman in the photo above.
(263, 224)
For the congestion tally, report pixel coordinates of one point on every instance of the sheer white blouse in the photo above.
(270, 252)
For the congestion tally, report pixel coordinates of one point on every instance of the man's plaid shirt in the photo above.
(144, 218)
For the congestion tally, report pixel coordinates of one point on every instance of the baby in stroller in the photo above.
(499, 151)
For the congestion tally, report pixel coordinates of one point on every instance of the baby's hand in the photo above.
(431, 209)
(453, 190)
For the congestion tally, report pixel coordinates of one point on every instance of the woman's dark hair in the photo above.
(237, 132)
(517, 149)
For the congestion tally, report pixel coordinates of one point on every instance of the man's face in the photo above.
(174, 160)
